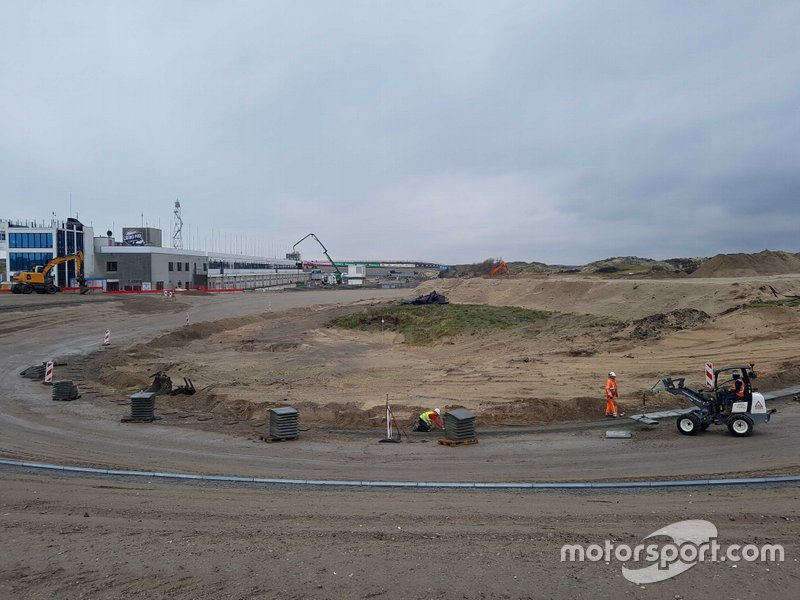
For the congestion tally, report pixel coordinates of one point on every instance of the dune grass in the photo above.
(427, 323)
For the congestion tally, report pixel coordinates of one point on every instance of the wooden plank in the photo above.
(266, 438)
(446, 442)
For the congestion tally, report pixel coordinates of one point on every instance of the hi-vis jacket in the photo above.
(429, 416)
(611, 388)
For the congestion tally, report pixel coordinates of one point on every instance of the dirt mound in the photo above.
(767, 262)
(634, 265)
(621, 299)
(654, 326)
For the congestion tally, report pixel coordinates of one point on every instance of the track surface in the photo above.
(35, 428)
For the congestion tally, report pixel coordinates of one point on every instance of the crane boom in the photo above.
(325, 250)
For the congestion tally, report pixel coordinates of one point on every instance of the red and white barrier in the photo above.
(48, 372)
(107, 338)
(710, 375)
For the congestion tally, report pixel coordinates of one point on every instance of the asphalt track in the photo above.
(34, 429)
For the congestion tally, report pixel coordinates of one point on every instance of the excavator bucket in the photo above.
(187, 388)
(162, 384)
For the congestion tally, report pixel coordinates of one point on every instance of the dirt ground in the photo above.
(82, 536)
(77, 537)
(539, 372)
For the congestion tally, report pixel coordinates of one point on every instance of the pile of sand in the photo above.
(654, 326)
(621, 299)
(768, 262)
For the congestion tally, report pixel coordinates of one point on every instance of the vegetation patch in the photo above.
(428, 323)
(771, 303)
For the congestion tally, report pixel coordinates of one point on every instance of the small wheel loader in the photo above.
(719, 405)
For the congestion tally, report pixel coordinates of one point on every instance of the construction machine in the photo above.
(717, 405)
(501, 268)
(40, 280)
(337, 272)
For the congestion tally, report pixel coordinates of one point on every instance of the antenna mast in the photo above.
(177, 230)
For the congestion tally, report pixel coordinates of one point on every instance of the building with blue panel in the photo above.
(24, 245)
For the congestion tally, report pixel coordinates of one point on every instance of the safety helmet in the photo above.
(612, 374)
(437, 411)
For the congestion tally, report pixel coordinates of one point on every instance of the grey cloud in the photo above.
(449, 131)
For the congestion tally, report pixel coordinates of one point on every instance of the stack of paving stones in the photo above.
(459, 425)
(65, 390)
(283, 423)
(143, 405)
(34, 372)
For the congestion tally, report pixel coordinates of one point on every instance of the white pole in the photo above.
(388, 420)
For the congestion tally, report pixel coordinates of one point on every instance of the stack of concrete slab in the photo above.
(459, 425)
(34, 372)
(284, 423)
(143, 406)
(64, 390)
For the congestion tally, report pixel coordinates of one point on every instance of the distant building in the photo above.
(27, 244)
(356, 274)
(138, 264)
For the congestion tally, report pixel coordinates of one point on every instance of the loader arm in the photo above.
(676, 388)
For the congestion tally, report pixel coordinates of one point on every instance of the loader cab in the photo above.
(723, 382)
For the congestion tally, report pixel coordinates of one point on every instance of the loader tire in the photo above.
(688, 424)
(740, 425)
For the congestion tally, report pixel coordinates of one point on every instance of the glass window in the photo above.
(27, 261)
(180, 266)
(111, 265)
(187, 267)
(30, 240)
(170, 266)
(2, 236)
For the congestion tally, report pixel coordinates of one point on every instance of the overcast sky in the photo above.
(560, 132)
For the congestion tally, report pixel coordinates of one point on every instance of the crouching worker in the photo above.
(428, 419)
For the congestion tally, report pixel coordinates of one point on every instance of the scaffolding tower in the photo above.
(177, 230)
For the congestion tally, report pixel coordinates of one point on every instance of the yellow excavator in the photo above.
(40, 280)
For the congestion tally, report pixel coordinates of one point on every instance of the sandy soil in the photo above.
(540, 372)
(69, 537)
(102, 537)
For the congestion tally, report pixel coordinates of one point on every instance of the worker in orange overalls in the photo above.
(612, 393)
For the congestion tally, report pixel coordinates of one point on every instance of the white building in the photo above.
(27, 244)
(356, 274)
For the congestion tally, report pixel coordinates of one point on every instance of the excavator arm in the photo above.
(77, 257)
(501, 268)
